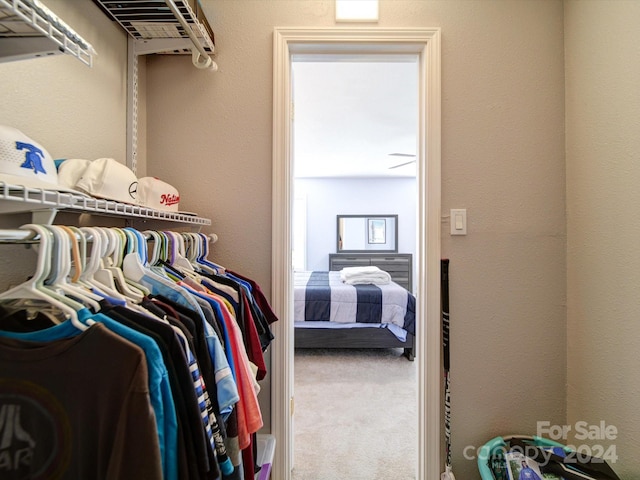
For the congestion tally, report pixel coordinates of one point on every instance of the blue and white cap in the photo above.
(24, 162)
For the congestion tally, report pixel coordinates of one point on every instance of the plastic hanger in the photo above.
(60, 280)
(76, 238)
(32, 288)
(156, 247)
(84, 274)
(133, 265)
(118, 238)
(102, 275)
(204, 254)
(57, 269)
(95, 265)
(179, 253)
(136, 249)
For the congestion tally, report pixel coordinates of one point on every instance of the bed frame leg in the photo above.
(410, 353)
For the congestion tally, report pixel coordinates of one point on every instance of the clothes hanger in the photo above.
(85, 272)
(118, 239)
(137, 248)
(179, 255)
(192, 252)
(60, 281)
(58, 268)
(32, 288)
(107, 242)
(133, 264)
(76, 238)
(94, 265)
(156, 247)
(204, 254)
(102, 275)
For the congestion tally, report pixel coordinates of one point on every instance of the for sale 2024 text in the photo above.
(584, 431)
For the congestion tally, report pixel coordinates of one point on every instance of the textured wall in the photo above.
(503, 151)
(603, 224)
(328, 197)
(502, 159)
(72, 110)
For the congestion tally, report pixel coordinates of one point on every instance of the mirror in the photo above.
(367, 233)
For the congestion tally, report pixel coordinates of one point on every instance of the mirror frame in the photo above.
(367, 217)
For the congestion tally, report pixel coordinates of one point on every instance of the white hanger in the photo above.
(156, 247)
(61, 280)
(102, 275)
(94, 266)
(117, 238)
(179, 259)
(79, 260)
(32, 288)
(57, 269)
(138, 249)
(204, 253)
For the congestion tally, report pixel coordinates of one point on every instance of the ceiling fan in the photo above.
(404, 155)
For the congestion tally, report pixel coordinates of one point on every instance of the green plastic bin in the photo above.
(491, 454)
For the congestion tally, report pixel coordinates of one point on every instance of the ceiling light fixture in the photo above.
(356, 10)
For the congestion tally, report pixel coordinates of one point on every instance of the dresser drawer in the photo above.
(390, 261)
(340, 263)
(391, 267)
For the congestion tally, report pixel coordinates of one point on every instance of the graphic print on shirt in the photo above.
(35, 434)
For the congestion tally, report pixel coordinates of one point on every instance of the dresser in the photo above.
(399, 265)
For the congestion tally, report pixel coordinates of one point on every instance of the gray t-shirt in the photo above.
(76, 408)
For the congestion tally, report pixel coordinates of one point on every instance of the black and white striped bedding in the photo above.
(323, 296)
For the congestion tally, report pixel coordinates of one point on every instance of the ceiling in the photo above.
(354, 116)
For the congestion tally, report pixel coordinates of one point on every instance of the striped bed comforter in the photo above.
(323, 296)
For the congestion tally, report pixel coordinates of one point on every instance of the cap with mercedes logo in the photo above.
(102, 178)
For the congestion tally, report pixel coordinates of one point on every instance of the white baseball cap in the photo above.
(25, 162)
(106, 178)
(159, 195)
(70, 170)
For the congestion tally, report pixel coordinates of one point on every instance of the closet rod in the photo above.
(201, 58)
(30, 236)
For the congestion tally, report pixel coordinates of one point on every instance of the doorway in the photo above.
(426, 45)
(354, 143)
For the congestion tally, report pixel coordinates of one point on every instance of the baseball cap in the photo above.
(23, 161)
(107, 178)
(70, 170)
(157, 194)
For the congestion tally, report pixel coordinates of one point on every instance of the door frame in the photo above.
(426, 44)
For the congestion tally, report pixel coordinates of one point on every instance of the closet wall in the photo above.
(502, 159)
(603, 226)
(72, 110)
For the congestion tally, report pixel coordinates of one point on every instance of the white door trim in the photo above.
(426, 43)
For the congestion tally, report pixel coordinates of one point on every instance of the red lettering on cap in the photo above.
(169, 199)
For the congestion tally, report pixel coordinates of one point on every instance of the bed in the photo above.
(329, 313)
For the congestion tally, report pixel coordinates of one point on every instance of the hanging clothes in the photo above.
(168, 355)
(94, 421)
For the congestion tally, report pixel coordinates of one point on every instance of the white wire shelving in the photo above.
(165, 27)
(29, 30)
(45, 204)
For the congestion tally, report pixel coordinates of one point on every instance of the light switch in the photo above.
(458, 220)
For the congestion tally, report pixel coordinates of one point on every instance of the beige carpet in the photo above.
(355, 415)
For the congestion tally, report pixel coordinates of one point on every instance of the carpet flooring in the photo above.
(355, 415)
